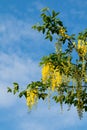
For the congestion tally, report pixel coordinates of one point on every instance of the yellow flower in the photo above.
(31, 97)
(82, 48)
(46, 72)
(49, 73)
(56, 80)
(62, 31)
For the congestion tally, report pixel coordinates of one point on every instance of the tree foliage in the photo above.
(64, 74)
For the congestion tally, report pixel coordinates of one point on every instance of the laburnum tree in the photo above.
(64, 74)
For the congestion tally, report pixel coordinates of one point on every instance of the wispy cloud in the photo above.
(45, 119)
(15, 69)
(13, 29)
(6, 100)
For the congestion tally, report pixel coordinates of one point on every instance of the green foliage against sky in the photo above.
(64, 73)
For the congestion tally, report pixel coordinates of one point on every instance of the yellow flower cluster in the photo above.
(62, 33)
(82, 48)
(31, 97)
(49, 73)
(47, 70)
(61, 30)
(56, 79)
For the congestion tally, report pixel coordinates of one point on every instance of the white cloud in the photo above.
(13, 30)
(15, 69)
(42, 118)
(6, 99)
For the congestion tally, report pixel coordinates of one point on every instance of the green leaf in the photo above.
(86, 108)
(9, 90)
(34, 27)
(43, 30)
(42, 95)
(16, 88)
(51, 38)
(39, 28)
(53, 13)
(23, 93)
(60, 23)
(44, 9)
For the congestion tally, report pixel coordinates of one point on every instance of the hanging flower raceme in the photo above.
(51, 75)
(82, 48)
(47, 71)
(56, 79)
(31, 97)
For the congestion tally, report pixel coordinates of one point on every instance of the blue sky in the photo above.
(20, 51)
